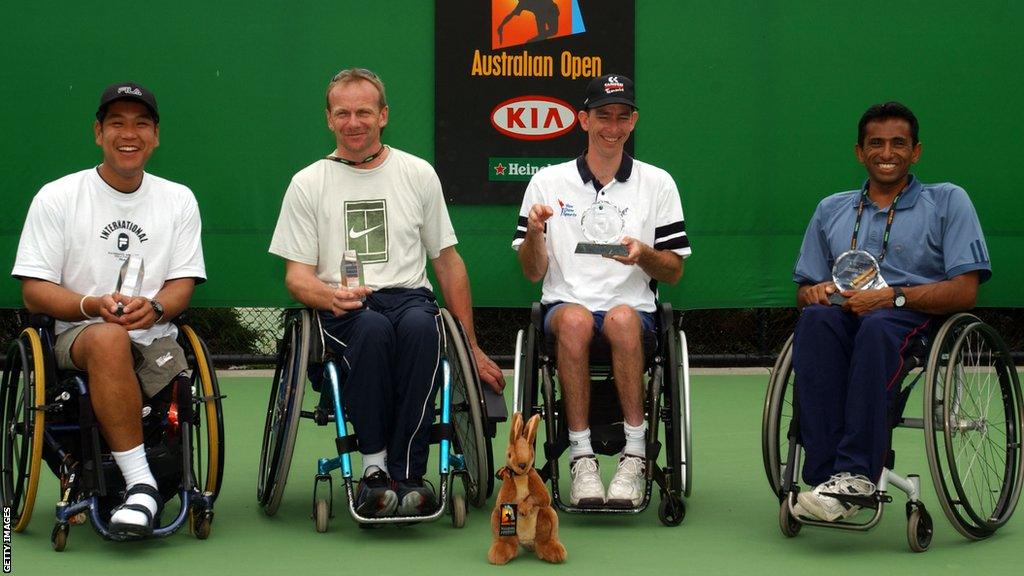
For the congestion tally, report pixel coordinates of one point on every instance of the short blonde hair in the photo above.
(349, 75)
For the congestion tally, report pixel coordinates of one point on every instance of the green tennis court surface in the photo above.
(730, 527)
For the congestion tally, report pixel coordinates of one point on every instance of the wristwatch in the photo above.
(159, 309)
(899, 299)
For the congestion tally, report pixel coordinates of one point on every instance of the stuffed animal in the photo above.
(522, 511)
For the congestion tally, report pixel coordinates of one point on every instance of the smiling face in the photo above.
(608, 127)
(128, 135)
(888, 151)
(356, 118)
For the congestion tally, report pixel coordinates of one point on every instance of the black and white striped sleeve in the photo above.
(670, 231)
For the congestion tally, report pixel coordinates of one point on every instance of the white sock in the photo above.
(135, 470)
(636, 439)
(377, 459)
(579, 444)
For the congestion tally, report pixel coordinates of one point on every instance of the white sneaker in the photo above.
(587, 489)
(628, 485)
(815, 504)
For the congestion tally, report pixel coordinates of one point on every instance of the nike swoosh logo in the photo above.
(353, 234)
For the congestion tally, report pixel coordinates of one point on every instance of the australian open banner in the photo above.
(509, 79)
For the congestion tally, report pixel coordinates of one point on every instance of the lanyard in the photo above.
(888, 223)
(348, 162)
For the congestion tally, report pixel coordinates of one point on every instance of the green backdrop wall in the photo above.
(751, 105)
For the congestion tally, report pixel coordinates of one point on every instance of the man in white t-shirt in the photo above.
(587, 296)
(79, 231)
(387, 206)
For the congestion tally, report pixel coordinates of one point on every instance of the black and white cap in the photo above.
(127, 91)
(609, 89)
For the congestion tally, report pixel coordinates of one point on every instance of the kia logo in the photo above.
(533, 117)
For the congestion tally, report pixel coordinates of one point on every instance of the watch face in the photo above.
(900, 301)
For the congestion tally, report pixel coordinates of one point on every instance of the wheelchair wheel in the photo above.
(467, 414)
(284, 410)
(776, 416)
(973, 415)
(677, 431)
(21, 392)
(208, 416)
(321, 515)
(919, 528)
(526, 374)
(788, 523)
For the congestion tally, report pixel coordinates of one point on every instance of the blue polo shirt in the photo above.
(935, 236)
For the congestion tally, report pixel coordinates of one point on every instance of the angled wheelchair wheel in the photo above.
(526, 374)
(284, 409)
(677, 430)
(207, 415)
(467, 413)
(973, 415)
(776, 417)
(22, 391)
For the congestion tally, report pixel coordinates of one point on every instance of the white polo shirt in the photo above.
(649, 201)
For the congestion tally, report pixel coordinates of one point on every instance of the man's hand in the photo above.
(861, 302)
(635, 248)
(817, 294)
(345, 300)
(136, 313)
(488, 370)
(539, 214)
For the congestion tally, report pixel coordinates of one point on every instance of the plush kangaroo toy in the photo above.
(522, 511)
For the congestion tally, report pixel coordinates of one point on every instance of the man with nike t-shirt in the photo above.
(386, 205)
(79, 231)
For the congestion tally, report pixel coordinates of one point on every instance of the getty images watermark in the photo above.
(7, 539)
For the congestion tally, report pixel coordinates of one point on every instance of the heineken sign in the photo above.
(517, 169)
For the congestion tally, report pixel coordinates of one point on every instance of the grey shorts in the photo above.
(155, 365)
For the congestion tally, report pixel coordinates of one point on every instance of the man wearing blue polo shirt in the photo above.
(932, 254)
(588, 296)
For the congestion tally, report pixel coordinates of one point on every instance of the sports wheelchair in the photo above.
(468, 413)
(47, 415)
(667, 401)
(972, 417)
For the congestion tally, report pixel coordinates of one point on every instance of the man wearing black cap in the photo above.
(79, 231)
(586, 295)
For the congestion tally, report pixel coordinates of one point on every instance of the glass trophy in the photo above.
(129, 279)
(352, 271)
(855, 270)
(602, 225)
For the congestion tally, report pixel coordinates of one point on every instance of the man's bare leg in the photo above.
(104, 350)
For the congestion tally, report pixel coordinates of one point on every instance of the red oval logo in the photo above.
(533, 117)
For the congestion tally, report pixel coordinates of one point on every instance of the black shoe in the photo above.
(374, 497)
(126, 531)
(415, 498)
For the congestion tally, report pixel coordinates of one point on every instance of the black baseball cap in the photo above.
(127, 91)
(609, 89)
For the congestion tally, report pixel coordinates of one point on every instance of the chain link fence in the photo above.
(247, 337)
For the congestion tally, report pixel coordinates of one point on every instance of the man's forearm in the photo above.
(453, 280)
(662, 265)
(945, 297)
(533, 257)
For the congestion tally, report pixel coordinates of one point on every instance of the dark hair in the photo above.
(886, 111)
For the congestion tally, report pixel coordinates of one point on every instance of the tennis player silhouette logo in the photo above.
(517, 22)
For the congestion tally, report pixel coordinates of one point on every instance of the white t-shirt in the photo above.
(79, 231)
(648, 200)
(392, 215)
